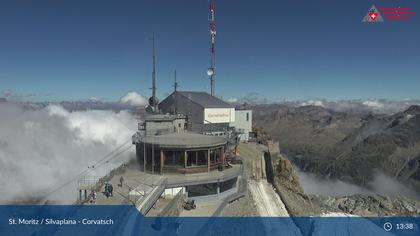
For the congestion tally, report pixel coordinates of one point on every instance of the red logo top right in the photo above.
(375, 15)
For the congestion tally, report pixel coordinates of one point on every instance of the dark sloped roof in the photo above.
(205, 100)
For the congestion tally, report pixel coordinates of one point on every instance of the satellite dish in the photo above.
(150, 109)
(210, 72)
(153, 101)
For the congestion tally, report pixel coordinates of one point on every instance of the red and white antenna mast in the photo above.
(211, 72)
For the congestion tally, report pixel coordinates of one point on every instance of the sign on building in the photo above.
(219, 115)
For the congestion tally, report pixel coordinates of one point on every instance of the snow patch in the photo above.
(317, 103)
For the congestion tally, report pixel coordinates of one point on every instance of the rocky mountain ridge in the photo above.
(346, 146)
(298, 203)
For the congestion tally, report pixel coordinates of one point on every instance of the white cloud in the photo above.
(314, 185)
(380, 184)
(7, 93)
(375, 104)
(233, 100)
(379, 106)
(134, 99)
(41, 149)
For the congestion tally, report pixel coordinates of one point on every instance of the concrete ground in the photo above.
(160, 204)
(133, 177)
(242, 207)
(250, 152)
(204, 208)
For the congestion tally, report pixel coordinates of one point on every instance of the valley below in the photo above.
(349, 158)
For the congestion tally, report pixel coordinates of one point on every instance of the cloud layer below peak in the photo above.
(41, 149)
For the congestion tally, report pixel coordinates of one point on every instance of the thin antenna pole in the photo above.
(212, 25)
(175, 90)
(154, 75)
(175, 82)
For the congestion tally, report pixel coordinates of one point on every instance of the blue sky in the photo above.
(76, 49)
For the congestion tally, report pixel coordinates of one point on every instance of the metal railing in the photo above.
(176, 140)
(150, 199)
(173, 205)
(87, 182)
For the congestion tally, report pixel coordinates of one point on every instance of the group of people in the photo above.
(108, 190)
(108, 193)
(93, 196)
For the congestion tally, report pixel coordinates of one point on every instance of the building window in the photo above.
(174, 158)
(202, 190)
(169, 158)
(229, 184)
(197, 158)
(247, 116)
(215, 155)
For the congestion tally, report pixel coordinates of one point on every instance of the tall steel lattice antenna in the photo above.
(153, 101)
(211, 72)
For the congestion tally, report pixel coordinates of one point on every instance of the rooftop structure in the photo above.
(202, 99)
(164, 145)
(162, 124)
(205, 113)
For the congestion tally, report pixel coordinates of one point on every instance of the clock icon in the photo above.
(387, 226)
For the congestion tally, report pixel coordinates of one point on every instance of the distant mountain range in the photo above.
(376, 106)
(79, 105)
(349, 146)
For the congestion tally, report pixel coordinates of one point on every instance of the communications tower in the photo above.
(211, 72)
(153, 100)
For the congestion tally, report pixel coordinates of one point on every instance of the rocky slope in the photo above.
(298, 203)
(346, 146)
(287, 185)
(367, 205)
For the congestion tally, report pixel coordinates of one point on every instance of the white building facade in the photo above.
(243, 123)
